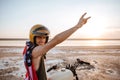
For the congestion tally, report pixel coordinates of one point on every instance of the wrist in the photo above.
(79, 25)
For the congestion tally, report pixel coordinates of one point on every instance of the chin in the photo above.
(41, 44)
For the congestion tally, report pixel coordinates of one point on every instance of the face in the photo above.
(40, 40)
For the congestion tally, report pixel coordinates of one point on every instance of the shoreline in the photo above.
(84, 47)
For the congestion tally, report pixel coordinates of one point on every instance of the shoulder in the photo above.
(42, 50)
(37, 51)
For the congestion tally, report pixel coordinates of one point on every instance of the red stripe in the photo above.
(33, 75)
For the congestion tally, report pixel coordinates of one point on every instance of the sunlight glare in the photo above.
(95, 31)
(95, 43)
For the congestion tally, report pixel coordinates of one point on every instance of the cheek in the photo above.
(44, 40)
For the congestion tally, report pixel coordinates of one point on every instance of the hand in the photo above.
(83, 20)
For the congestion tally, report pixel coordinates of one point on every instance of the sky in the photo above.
(18, 16)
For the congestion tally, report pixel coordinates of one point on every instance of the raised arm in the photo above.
(41, 50)
(64, 35)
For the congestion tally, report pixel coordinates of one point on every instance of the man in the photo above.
(35, 51)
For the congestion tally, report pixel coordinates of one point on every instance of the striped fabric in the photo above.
(30, 71)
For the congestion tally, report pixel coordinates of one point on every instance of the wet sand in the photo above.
(106, 61)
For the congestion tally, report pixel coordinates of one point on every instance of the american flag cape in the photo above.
(30, 71)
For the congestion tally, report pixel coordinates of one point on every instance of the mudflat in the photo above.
(106, 61)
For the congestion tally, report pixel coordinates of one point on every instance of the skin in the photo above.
(43, 48)
(40, 40)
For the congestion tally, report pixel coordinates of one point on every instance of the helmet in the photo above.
(38, 30)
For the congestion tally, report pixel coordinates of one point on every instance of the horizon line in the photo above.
(67, 39)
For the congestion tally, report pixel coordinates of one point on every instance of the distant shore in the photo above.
(67, 39)
(74, 47)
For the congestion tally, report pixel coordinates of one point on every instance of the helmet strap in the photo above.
(35, 41)
(47, 38)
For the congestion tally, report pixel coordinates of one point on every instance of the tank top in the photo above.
(41, 73)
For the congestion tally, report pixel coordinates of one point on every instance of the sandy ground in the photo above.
(106, 62)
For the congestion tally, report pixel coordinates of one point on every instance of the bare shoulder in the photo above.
(37, 50)
(41, 50)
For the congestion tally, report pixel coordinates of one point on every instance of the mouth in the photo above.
(41, 43)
